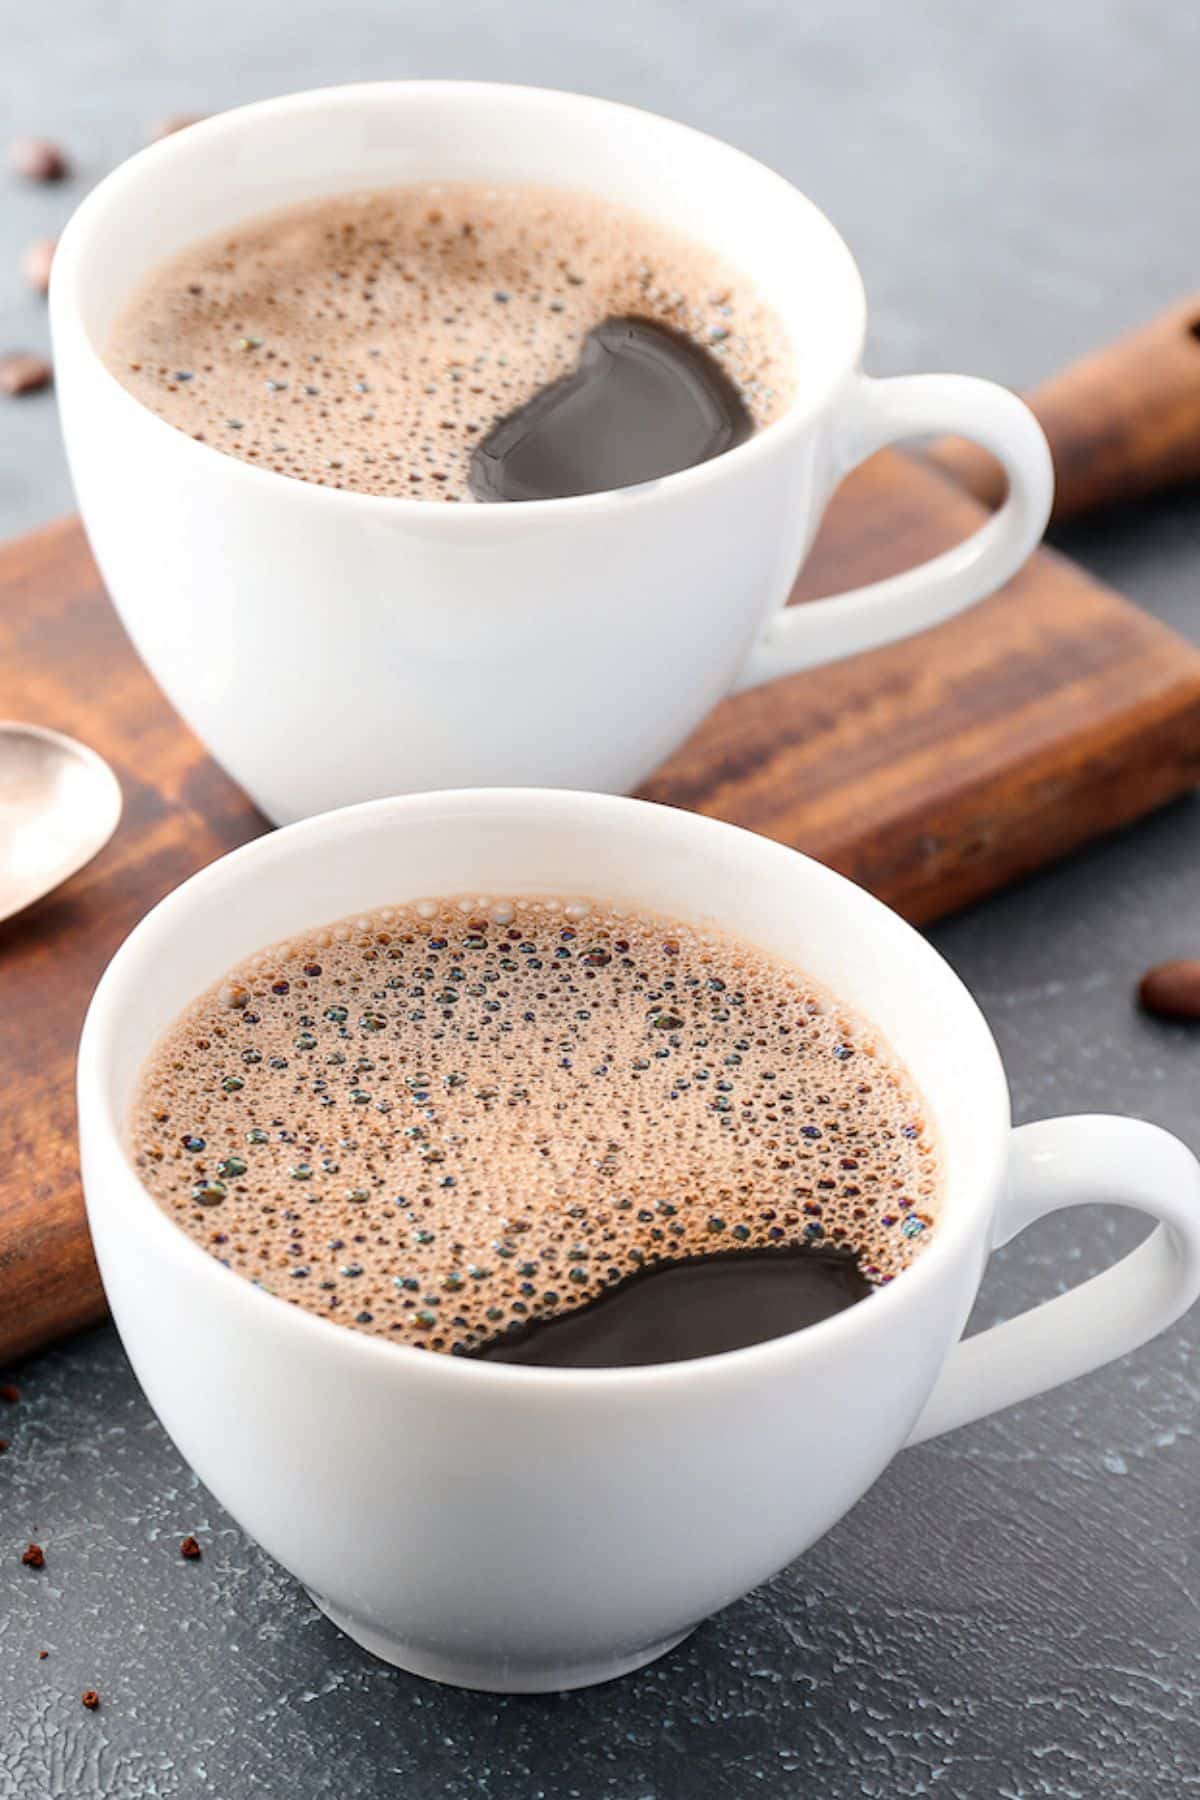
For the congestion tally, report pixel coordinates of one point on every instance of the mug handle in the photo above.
(875, 413)
(1069, 1162)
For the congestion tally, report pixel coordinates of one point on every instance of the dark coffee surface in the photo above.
(645, 401)
(684, 1310)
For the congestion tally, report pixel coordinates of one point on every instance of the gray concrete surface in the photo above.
(1014, 1611)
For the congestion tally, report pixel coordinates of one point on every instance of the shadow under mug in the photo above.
(527, 1529)
(330, 646)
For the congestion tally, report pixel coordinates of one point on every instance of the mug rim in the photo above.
(102, 1130)
(89, 218)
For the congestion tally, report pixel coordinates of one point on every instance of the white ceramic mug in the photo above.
(523, 1528)
(331, 647)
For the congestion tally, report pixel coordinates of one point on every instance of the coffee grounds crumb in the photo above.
(42, 1655)
(190, 1548)
(9, 1392)
(38, 159)
(33, 1556)
(3, 1445)
(23, 373)
(90, 1698)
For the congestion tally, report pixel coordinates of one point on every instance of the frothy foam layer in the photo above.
(453, 1118)
(372, 340)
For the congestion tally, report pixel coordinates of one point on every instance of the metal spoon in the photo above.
(59, 805)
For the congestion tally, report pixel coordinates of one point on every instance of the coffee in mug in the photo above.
(540, 1130)
(455, 342)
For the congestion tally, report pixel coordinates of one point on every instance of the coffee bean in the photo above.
(37, 159)
(23, 373)
(36, 259)
(170, 124)
(1172, 989)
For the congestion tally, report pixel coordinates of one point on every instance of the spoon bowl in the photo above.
(59, 805)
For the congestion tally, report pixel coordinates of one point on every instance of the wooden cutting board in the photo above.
(932, 772)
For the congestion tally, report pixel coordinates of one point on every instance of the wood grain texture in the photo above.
(66, 662)
(938, 769)
(932, 772)
(1122, 423)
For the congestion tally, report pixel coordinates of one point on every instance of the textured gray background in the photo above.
(1014, 1611)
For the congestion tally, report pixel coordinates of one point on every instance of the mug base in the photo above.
(492, 1678)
